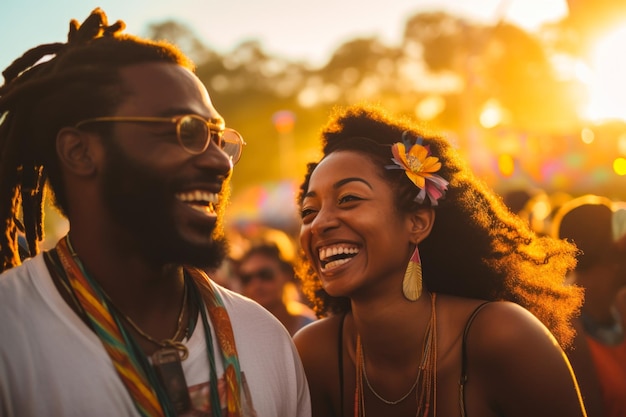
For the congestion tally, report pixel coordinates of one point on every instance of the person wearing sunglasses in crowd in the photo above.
(267, 277)
(118, 319)
(437, 300)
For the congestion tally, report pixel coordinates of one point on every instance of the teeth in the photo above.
(334, 264)
(327, 252)
(198, 196)
(201, 208)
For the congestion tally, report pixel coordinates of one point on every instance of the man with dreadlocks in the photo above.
(118, 319)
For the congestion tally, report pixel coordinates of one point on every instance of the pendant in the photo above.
(179, 346)
(169, 369)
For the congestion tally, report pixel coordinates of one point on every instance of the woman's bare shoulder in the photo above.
(496, 325)
(512, 357)
(506, 341)
(318, 346)
(318, 340)
(505, 322)
(498, 328)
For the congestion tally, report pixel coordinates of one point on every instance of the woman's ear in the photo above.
(75, 150)
(421, 223)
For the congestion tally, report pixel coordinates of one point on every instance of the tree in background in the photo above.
(448, 71)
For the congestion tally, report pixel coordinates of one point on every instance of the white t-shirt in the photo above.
(52, 364)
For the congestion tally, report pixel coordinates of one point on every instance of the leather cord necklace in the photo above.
(58, 276)
(172, 343)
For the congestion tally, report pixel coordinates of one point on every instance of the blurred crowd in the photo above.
(597, 226)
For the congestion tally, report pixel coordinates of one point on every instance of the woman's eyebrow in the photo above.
(340, 184)
(351, 179)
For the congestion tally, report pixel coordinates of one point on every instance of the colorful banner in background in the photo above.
(587, 160)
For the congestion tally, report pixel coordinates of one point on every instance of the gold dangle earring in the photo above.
(412, 282)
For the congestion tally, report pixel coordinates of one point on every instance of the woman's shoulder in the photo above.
(511, 355)
(495, 325)
(319, 348)
(503, 330)
(318, 344)
(506, 320)
(319, 333)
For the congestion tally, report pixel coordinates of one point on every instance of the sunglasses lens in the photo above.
(193, 134)
(245, 278)
(265, 275)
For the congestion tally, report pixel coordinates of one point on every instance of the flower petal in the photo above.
(431, 164)
(399, 153)
(417, 179)
(419, 152)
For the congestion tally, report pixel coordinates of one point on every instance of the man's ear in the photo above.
(76, 151)
(421, 223)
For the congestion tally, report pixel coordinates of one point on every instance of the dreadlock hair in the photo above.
(39, 97)
(477, 248)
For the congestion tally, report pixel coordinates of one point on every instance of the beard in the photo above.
(140, 201)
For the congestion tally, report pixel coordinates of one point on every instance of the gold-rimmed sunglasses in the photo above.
(194, 133)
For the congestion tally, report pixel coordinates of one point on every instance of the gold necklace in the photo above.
(181, 331)
(398, 401)
(426, 374)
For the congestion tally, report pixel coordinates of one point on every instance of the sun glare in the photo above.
(608, 83)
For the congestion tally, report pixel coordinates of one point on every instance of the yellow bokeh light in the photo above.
(491, 115)
(608, 84)
(541, 210)
(430, 107)
(587, 136)
(619, 166)
(506, 165)
(621, 144)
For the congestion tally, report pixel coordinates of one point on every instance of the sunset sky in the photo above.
(304, 30)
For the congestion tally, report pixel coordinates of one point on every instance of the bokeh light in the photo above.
(587, 136)
(506, 165)
(608, 83)
(619, 166)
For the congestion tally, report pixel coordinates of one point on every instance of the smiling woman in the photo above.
(405, 249)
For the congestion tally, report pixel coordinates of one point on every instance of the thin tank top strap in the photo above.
(463, 378)
(340, 361)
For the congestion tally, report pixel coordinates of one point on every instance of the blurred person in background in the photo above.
(517, 201)
(598, 354)
(532, 205)
(267, 277)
